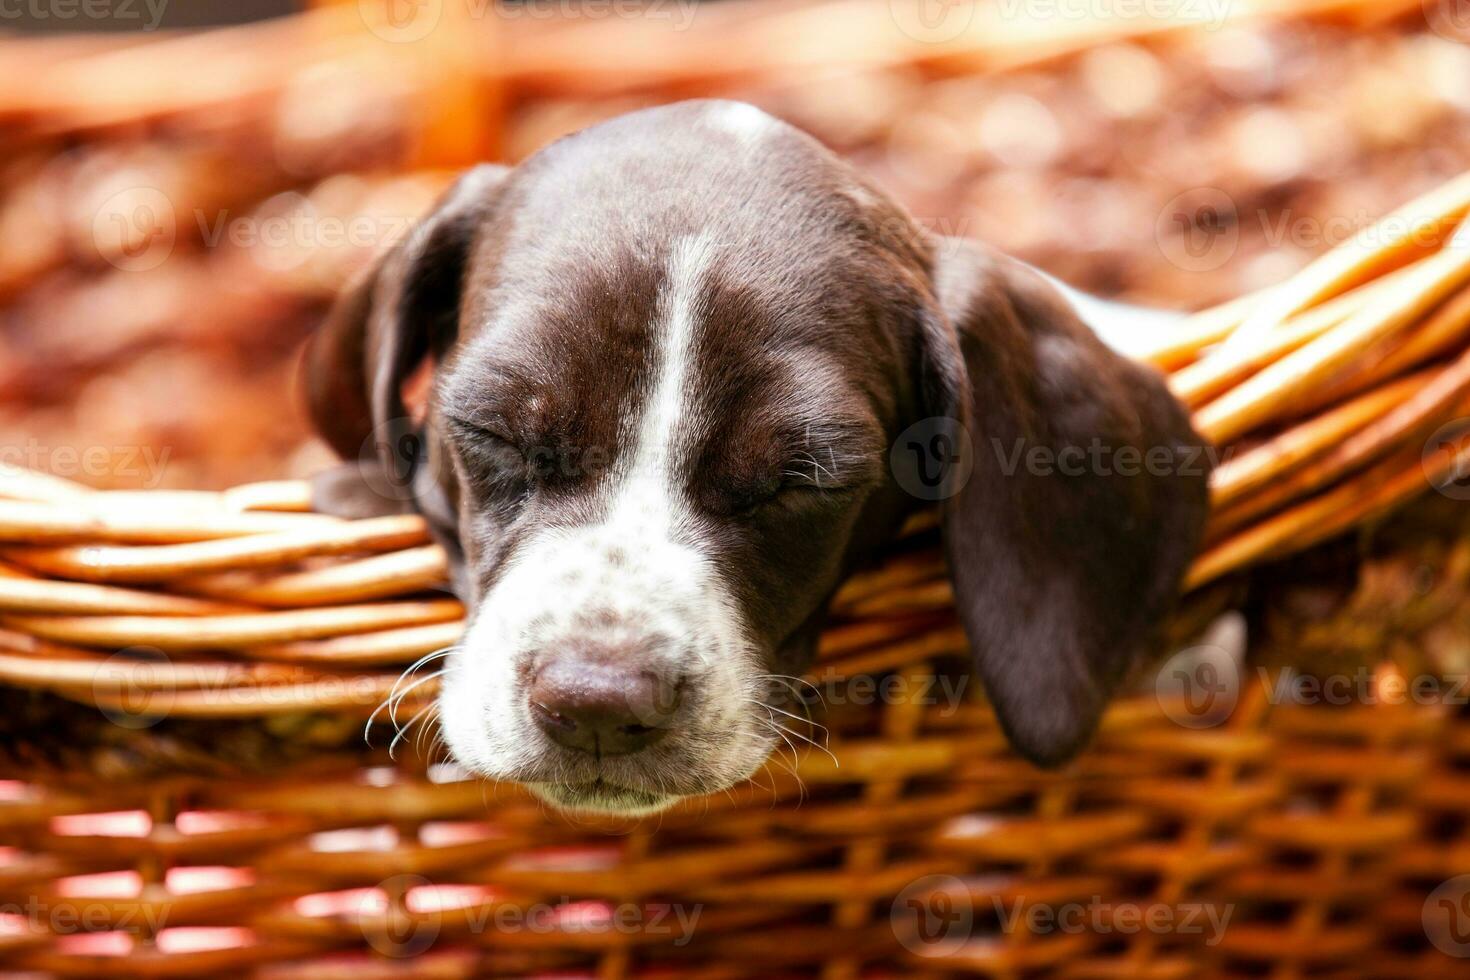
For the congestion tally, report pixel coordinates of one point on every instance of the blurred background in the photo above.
(184, 185)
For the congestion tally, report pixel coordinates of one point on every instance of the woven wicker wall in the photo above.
(1246, 834)
(213, 811)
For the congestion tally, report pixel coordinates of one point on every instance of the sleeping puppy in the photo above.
(674, 355)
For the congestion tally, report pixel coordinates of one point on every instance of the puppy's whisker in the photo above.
(402, 732)
(394, 698)
(791, 769)
(813, 743)
(430, 657)
(826, 735)
(791, 682)
(393, 702)
(772, 711)
(398, 700)
(428, 725)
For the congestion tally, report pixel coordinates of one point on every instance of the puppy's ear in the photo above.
(380, 329)
(1083, 504)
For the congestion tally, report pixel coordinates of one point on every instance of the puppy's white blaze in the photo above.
(653, 470)
(741, 119)
(641, 564)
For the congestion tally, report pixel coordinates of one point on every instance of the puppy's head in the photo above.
(673, 353)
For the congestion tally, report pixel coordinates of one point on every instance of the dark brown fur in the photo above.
(829, 323)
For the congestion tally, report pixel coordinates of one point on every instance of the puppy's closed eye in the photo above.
(491, 428)
(800, 485)
(787, 490)
(493, 461)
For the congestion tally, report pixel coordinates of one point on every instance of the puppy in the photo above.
(690, 370)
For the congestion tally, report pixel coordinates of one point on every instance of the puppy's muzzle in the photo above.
(604, 701)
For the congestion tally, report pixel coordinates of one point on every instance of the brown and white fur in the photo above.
(673, 353)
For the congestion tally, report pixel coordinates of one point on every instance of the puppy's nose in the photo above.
(602, 708)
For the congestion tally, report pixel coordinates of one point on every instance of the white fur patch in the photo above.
(636, 577)
(742, 120)
(651, 479)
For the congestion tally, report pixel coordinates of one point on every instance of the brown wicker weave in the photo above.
(221, 813)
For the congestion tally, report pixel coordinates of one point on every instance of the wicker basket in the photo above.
(186, 678)
(204, 824)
